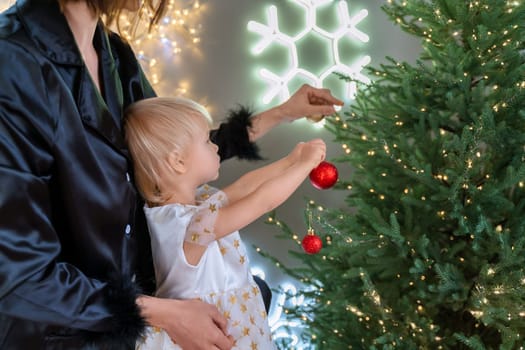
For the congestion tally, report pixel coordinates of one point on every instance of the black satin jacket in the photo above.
(74, 248)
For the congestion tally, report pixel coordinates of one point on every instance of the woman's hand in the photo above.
(192, 324)
(307, 101)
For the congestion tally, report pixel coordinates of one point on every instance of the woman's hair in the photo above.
(154, 128)
(111, 9)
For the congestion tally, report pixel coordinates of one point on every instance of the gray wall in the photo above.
(224, 75)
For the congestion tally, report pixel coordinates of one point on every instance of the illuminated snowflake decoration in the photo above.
(270, 33)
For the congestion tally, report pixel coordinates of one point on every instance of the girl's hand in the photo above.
(295, 155)
(313, 152)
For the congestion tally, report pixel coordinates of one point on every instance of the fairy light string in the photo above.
(159, 48)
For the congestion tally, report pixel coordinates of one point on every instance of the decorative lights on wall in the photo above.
(157, 49)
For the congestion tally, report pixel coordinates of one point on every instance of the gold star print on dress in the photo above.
(201, 228)
(222, 277)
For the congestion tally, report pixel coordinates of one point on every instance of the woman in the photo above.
(75, 263)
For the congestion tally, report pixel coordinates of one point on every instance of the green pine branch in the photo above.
(429, 250)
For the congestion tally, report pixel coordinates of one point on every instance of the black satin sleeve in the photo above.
(35, 284)
(232, 136)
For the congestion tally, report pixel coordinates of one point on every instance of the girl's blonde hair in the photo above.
(154, 128)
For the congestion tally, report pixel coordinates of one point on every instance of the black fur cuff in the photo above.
(128, 324)
(232, 136)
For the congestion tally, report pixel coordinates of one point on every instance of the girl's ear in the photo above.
(176, 162)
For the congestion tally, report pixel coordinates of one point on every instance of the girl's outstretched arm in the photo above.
(252, 196)
(250, 181)
(271, 190)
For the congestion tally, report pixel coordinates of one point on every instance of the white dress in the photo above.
(222, 276)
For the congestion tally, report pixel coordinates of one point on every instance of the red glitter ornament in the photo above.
(324, 175)
(312, 243)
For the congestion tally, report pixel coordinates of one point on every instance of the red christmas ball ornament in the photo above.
(324, 175)
(312, 243)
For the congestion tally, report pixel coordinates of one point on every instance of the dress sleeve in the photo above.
(232, 136)
(201, 227)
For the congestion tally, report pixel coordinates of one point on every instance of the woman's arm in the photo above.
(237, 135)
(44, 280)
(232, 136)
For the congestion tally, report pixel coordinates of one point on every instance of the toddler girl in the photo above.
(197, 250)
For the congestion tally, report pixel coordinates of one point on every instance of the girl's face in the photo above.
(132, 5)
(202, 159)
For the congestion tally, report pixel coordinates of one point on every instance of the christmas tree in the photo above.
(430, 251)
